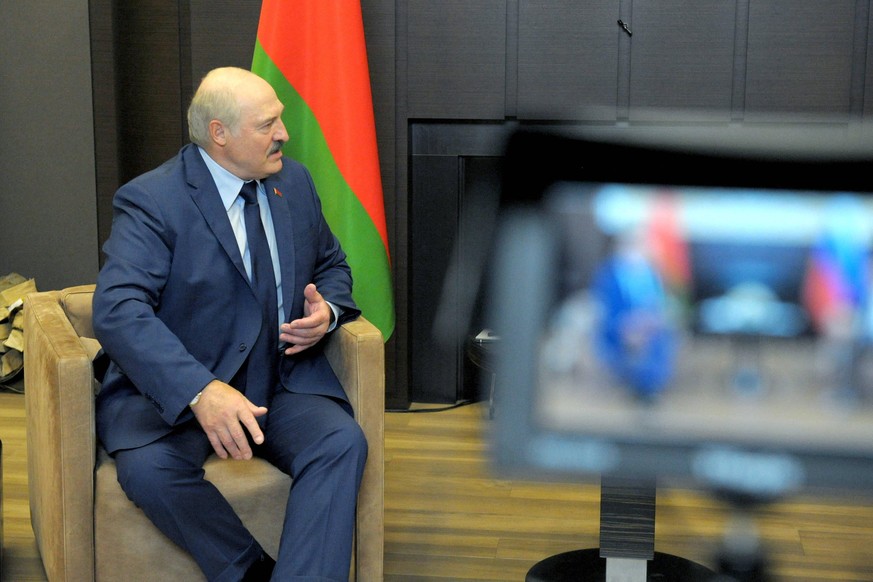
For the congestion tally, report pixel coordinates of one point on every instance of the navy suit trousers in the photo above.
(312, 438)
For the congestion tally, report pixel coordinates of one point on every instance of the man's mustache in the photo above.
(277, 145)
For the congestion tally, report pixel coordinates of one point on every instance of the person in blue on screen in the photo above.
(635, 338)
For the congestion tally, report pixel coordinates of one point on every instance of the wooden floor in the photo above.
(448, 518)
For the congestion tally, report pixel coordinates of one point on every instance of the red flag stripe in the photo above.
(320, 48)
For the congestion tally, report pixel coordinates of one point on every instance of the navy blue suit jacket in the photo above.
(174, 308)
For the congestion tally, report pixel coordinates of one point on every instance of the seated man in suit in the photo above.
(221, 278)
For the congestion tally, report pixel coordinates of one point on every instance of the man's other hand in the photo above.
(308, 330)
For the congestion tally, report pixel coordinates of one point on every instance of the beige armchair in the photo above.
(87, 529)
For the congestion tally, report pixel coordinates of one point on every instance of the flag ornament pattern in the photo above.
(314, 55)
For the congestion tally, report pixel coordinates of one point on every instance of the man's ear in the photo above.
(217, 132)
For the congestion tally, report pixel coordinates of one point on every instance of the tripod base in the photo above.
(588, 566)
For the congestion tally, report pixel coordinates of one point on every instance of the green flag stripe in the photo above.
(343, 211)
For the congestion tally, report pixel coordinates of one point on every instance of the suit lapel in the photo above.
(283, 226)
(205, 196)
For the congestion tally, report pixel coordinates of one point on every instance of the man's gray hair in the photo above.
(208, 104)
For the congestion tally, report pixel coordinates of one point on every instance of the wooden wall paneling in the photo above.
(380, 30)
(682, 60)
(799, 59)
(866, 52)
(434, 213)
(222, 33)
(138, 96)
(456, 59)
(147, 45)
(511, 81)
(105, 114)
(741, 47)
(568, 59)
(859, 59)
(400, 397)
(622, 102)
(48, 227)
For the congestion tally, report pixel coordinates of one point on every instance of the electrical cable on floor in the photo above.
(458, 404)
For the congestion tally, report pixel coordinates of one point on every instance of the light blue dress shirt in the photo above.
(228, 188)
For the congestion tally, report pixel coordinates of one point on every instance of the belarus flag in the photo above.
(314, 55)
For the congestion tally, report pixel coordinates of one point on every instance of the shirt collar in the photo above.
(228, 185)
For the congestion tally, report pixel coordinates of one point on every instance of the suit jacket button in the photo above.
(243, 347)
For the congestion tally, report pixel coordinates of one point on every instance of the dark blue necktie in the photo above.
(262, 360)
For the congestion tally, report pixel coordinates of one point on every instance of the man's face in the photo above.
(253, 150)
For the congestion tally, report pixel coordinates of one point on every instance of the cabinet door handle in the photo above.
(623, 24)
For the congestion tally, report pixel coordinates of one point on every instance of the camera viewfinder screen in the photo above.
(710, 315)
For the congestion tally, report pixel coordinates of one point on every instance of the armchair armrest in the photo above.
(61, 441)
(356, 353)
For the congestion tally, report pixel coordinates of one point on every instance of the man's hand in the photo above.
(225, 414)
(307, 331)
